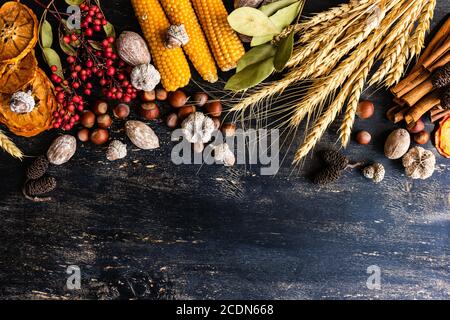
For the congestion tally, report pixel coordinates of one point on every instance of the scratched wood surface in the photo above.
(145, 228)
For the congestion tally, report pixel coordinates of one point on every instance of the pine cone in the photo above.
(445, 99)
(38, 168)
(335, 159)
(40, 187)
(327, 175)
(441, 78)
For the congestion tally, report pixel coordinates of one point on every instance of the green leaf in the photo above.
(281, 19)
(252, 22)
(251, 76)
(284, 52)
(255, 55)
(52, 59)
(46, 34)
(271, 8)
(95, 45)
(74, 2)
(109, 30)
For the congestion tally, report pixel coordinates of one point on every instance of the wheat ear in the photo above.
(418, 38)
(9, 146)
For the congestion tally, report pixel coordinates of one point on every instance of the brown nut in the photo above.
(200, 99)
(422, 137)
(365, 109)
(418, 127)
(161, 94)
(88, 119)
(184, 112)
(214, 109)
(149, 111)
(172, 121)
(104, 121)
(229, 129)
(99, 136)
(177, 99)
(217, 123)
(83, 135)
(363, 137)
(100, 107)
(148, 96)
(121, 111)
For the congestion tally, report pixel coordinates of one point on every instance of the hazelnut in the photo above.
(177, 99)
(422, 137)
(214, 109)
(148, 96)
(104, 121)
(201, 99)
(161, 94)
(229, 129)
(149, 111)
(365, 109)
(186, 111)
(363, 137)
(101, 107)
(172, 120)
(99, 136)
(83, 135)
(217, 123)
(418, 127)
(88, 119)
(121, 111)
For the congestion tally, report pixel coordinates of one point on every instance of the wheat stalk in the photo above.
(417, 41)
(9, 146)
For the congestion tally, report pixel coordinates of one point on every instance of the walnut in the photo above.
(419, 163)
(176, 36)
(145, 77)
(223, 154)
(376, 172)
(116, 150)
(22, 102)
(198, 128)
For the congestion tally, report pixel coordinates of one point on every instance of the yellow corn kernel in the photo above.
(171, 63)
(224, 42)
(182, 12)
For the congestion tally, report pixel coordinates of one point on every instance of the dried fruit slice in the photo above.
(14, 76)
(443, 138)
(41, 118)
(18, 31)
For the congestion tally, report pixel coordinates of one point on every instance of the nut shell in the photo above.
(141, 135)
(132, 48)
(62, 150)
(397, 144)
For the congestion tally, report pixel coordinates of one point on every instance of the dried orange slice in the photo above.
(41, 118)
(18, 31)
(14, 76)
(443, 137)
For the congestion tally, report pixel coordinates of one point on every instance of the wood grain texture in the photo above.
(145, 228)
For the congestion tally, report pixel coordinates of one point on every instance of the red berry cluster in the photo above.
(95, 60)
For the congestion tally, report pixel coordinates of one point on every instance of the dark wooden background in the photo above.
(145, 228)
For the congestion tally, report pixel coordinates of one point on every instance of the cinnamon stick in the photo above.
(423, 106)
(400, 114)
(440, 115)
(436, 110)
(412, 97)
(390, 114)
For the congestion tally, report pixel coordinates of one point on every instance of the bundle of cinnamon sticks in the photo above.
(421, 91)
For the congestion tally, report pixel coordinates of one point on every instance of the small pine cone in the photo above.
(39, 187)
(441, 78)
(445, 99)
(327, 175)
(335, 159)
(38, 168)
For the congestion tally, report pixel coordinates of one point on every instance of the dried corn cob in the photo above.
(224, 42)
(181, 12)
(171, 63)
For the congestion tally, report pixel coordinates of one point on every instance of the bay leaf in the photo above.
(252, 22)
(46, 34)
(270, 8)
(52, 58)
(284, 52)
(251, 76)
(109, 30)
(74, 2)
(255, 55)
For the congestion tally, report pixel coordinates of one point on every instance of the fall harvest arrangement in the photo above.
(323, 64)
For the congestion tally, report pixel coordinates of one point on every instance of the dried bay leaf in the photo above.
(271, 8)
(255, 55)
(252, 22)
(251, 76)
(52, 58)
(284, 52)
(46, 34)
